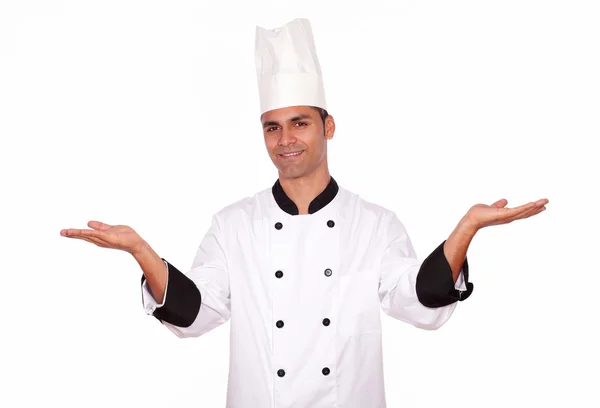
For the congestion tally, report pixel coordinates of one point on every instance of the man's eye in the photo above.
(301, 123)
(271, 128)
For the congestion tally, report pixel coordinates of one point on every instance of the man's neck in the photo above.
(303, 190)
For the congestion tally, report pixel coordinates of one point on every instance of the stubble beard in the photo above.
(293, 171)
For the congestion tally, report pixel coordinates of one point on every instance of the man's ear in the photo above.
(329, 127)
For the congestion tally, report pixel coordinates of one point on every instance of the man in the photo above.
(302, 269)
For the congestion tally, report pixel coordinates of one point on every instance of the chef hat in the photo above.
(287, 67)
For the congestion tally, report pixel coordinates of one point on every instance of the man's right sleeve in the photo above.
(199, 301)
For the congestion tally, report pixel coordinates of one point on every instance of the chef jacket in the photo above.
(303, 295)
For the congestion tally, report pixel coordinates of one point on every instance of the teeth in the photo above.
(291, 154)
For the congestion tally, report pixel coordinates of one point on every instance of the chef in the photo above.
(302, 269)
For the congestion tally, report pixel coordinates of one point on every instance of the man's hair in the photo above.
(322, 112)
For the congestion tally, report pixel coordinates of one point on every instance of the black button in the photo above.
(280, 372)
(278, 274)
(279, 323)
(327, 272)
(325, 371)
(330, 223)
(278, 225)
(326, 322)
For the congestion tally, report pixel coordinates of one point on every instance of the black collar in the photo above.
(320, 201)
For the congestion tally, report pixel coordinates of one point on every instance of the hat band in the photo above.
(284, 90)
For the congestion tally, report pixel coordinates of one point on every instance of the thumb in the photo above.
(500, 203)
(98, 225)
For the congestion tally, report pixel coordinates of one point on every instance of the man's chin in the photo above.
(291, 172)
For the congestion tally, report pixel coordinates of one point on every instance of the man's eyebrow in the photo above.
(299, 117)
(292, 119)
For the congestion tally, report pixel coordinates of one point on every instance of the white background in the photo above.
(145, 113)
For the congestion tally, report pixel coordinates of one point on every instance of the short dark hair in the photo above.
(322, 112)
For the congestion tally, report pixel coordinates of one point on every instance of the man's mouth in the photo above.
(292, 154)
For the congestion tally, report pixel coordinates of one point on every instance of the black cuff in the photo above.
(435, 285)
(183, 299)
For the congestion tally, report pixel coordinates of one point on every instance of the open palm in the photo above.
(120, 237)
(482, 215)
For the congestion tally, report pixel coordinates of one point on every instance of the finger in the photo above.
(534, 204)
(526, 214)
(500, 203)
(504, 215)
(507, 215)
(70, 232)
(92, 240)
(539, 210)
(73, 232)
(97, 225)
(538, 206)
(516, 211)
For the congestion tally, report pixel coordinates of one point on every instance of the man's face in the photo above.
(296, 139)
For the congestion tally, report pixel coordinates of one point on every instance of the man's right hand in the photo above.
(119, 237)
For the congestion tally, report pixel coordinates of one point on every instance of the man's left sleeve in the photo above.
(420, 293)
(435, 285)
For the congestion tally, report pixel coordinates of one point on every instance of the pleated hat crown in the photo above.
(287, 67)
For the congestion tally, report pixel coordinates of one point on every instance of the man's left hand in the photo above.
(482, 215)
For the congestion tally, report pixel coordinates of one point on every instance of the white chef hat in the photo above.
(287, 67)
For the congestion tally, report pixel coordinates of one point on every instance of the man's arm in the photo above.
(455, 247)
(195, 302)
(420, 293)
(154, 268)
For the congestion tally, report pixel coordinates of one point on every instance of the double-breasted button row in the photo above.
(280, 324)
(327, 272)
(279, 225)
(325, 371)
(326, 322)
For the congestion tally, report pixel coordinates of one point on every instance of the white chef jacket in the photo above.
(303, 294)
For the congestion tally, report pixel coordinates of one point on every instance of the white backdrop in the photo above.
(145, 113)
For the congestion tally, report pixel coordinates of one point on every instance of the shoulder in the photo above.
(376, 218)
(357, 206)
(244, 208)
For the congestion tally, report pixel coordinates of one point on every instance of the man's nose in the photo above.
(287, 138)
